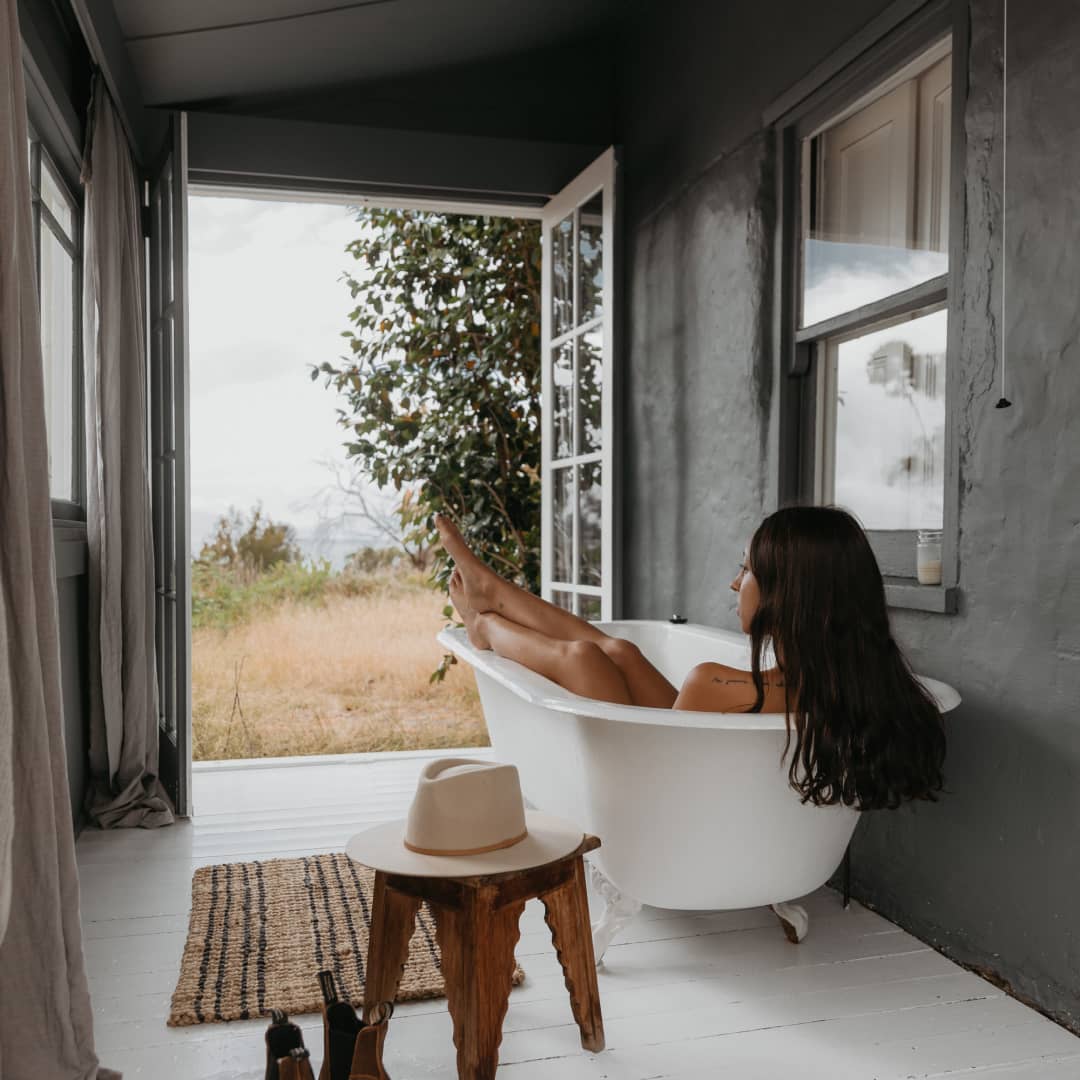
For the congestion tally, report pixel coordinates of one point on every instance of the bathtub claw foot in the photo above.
(619, 911)
(793, 919)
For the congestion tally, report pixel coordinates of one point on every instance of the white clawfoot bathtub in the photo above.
(693, 809)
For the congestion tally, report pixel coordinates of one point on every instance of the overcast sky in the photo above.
(266, 301)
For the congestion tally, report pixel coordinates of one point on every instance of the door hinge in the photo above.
(146, 222)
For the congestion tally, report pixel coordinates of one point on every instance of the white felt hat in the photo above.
(467, 819)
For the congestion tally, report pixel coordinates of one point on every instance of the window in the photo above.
(867, 214)
(57, 234)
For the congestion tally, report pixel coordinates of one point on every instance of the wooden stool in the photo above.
(476, 921)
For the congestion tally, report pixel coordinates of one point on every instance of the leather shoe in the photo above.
(286, 1057)
(296, 1066)
(353, 1048)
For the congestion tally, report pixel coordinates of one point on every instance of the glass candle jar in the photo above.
(928, 557)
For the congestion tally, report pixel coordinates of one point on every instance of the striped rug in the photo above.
(261, 931)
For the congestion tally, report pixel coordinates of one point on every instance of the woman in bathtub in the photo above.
(865, 732)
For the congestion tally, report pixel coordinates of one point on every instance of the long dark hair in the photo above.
(866, 732)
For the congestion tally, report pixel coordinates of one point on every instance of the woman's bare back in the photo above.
(718, 688)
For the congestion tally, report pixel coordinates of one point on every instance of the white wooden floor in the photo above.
(687, 995)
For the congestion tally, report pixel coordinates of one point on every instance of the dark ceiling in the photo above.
(236, 50)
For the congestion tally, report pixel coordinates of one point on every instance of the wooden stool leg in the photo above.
(393, 918)
(567, 915)
(477, 944)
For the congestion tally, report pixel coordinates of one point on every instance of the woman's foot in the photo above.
(469, 615)
(478, 583)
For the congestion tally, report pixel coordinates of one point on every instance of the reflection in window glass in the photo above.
(169, 681)
(841, 277)
(56, 201)
(876, 194)
(168, 375)
(590, 510)
(563, 599)
(590, 259)
(562, 524)
(562, 406)
(159, 646)
(889, 396)
(57, 348)
(165, 209)
(562, 277)
(588, 607)
(590, 390)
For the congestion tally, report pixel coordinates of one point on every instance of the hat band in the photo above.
(468, 851)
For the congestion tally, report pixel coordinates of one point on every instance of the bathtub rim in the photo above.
(540, 691)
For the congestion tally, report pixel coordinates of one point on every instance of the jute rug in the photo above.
(260, 933)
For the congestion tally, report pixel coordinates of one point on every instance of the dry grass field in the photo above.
(351, 674)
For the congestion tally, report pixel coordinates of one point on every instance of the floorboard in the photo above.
(686, 995)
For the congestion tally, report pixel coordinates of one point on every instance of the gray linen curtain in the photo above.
(124, 787)
(46, 1026)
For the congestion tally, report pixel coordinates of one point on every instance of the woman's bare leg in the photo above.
(535, 648)
(581, 666)
(486, 591)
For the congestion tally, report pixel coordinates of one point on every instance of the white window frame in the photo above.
(599, 177)
(862, 69)
(72, 507)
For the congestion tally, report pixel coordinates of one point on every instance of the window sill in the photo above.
(908, 593)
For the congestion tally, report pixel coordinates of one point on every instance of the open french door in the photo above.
(169, 445)
(578, 344)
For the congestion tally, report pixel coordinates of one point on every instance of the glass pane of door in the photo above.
(562, 403)
(562, 269)
(577, 336)
(562, 555)
(590, 523)
(167, 320)
(590, 391)
(590, 261)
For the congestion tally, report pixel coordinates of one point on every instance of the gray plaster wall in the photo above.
(991, 874)
(697, 389)
(698, 198)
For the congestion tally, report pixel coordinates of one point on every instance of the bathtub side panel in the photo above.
(689, 818)
(698, 819)
(545, 745)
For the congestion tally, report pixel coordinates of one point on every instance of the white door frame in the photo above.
(598, 177)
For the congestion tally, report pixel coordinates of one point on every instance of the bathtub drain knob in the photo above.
(677, 619)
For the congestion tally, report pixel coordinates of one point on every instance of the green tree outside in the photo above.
(442, 388)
